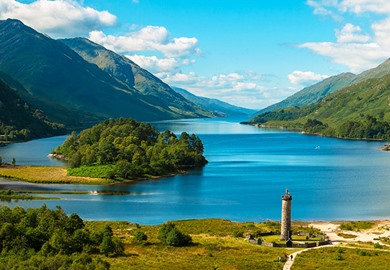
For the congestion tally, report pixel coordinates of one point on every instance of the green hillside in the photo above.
(153, 90)
(316, 92)
(313, 93)
(377, 72)
(60, 80)
(214, 105)
(71, 118)
(361, 111)
(19, 121)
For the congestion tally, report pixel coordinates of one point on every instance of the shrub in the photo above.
(363, 252)
(140, 236)
(238, 234)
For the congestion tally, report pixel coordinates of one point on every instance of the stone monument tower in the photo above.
(285, 228)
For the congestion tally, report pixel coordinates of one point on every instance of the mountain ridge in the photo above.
(56, 76)
(319, 90)
(129, 73)
(313, 93)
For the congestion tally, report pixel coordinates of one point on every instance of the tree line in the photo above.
(132, 149)
(367, 128)
(49, 239)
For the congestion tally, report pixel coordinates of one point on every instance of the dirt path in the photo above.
(288, 264)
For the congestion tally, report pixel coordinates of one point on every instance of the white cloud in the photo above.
(353, 47)
(244, 89)
(305, 78)
(335, 8)
(324, 8)
(351, 33)
(58, 18)
(362, 6)
(155, 64)
(149, 38)
(357, 57)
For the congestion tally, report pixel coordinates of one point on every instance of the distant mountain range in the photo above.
(214, 105)
(316, 92)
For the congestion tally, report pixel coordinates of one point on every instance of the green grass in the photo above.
(97, 171)
(214, 247)
(357, 225)
(45, 174)
(347, 235)
(342, 259)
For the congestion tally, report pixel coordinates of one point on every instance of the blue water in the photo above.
(248, 171)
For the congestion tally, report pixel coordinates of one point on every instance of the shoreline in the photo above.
(385, 147)
(58, 175)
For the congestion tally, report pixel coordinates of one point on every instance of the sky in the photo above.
(250, 53)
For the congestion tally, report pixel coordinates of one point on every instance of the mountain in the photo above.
(56, 76)
(153, 90)
(72, 119)
(361, 110)
(377, 72)
(214, 105)
(316, 92)
(20, 121)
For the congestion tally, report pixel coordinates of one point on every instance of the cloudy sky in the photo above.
(251, 53)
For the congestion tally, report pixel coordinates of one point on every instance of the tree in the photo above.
(123, 169)
(13, 162)
(110, 245)
(1, 161)
(171, 236)
(73, 223)
(75, 160)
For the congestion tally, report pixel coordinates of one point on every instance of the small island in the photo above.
(124, 149)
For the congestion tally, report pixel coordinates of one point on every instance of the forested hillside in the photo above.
(126, 149)
(313, 93)
(316, 92)
(19, 121)
(359, 111)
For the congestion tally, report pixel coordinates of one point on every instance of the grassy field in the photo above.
(42, 174)
(216, 246)
(342, 259)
